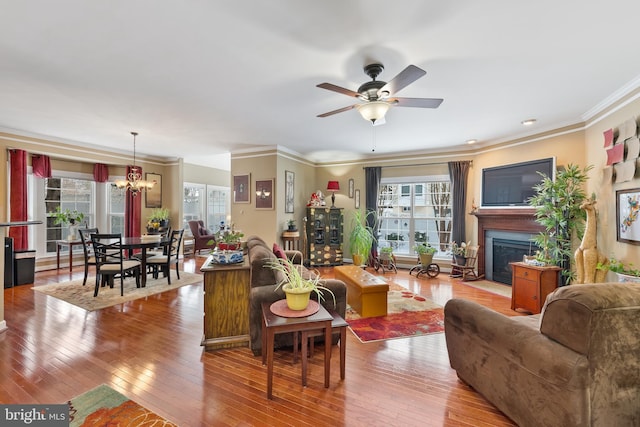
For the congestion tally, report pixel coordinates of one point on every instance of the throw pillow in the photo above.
(278, 252)
(203, 231)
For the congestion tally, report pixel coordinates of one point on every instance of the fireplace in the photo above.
(501, 252)
(514, 225)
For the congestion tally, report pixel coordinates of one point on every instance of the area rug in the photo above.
(408, 315)
(103, 406)
(82, 296)
(489, 286)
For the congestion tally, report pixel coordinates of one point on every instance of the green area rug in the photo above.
(408, 315)
(103, 406)
(82, 296)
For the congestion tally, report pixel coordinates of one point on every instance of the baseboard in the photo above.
(3, 326)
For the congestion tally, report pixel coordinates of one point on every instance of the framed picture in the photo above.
(153, 196)
(289, 180)
(241, 188)
(357, 199)
(264, 194)
(351, 188)
(628, 215)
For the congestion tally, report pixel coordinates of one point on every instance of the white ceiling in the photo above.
(197, 78)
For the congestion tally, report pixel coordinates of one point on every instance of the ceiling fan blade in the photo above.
(341, 110)
(416, 102)
(338, 89)
(402, 80)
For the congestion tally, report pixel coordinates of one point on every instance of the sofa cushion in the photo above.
(569, 312)
(278, 251)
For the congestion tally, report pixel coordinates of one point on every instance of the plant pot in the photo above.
(459, 259)
(228, 246)
(357, 259)
(426, 259)
(625, 278)
(297, 299)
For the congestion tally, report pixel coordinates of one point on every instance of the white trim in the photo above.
(3, 326)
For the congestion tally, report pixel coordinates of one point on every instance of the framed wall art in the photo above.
(628, 216)
(357, 199)
(289, 181)
(264, 194)
(351, 185)
(241, 188)
(153, 196)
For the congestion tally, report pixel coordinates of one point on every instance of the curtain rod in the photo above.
(417, 164)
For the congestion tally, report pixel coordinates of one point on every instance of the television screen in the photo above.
(512, 185)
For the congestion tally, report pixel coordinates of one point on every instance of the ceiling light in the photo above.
(134, 182)
(472, 141)
(528, 122)
(374, 110)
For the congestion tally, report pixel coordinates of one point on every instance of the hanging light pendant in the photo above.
(134, 182)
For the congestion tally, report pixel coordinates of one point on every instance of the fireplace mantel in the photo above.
(505, 219)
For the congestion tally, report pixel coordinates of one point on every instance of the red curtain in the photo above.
(132, 207)
(18, 198)
(41, 165)
(100, 172)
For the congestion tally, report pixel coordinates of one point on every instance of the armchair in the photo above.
(202, 239)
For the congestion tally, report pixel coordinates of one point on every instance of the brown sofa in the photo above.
(263, 288)
(575, 364)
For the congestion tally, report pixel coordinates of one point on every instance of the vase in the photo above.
(426, 259)
(72, 232)
(459, 259)
(297, 299)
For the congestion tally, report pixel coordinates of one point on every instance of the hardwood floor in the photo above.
(149, 350)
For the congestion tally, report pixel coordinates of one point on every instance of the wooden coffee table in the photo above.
(366, 293)
(273, 324)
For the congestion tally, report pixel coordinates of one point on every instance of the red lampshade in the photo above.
(333, 186)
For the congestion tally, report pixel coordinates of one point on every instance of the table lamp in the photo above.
(333, 186)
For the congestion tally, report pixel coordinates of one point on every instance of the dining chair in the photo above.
(163, 262)
(89, 259)
(110, 261)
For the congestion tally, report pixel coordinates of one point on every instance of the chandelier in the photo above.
(134, 182)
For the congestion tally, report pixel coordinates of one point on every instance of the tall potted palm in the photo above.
(557, 208)
(361, 238)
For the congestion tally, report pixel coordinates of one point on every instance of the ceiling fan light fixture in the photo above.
(374, 110)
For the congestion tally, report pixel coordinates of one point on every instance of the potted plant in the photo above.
(229, 240)
(361, 238)
(459, 252)
(291, 225)
(296, 287)
(425, 251)
(386, 253)
(160, 216)
(557, 208)
(70, 218)
(624, 272)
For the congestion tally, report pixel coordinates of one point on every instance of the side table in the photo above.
(70, 244)
(273, 324)
(291, 240)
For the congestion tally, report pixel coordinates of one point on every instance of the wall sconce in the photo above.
(261, 193)
(333, 186)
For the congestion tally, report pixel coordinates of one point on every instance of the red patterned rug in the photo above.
(408, 315)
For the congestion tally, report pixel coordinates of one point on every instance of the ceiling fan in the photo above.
(379, 95)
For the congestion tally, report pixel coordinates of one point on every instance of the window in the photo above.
(116, 202)
(209, 203)
(415, 212)
(66, 193)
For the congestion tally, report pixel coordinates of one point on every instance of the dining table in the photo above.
(131, 244)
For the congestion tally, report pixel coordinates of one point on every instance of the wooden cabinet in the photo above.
(531, 284)
(324, 236)
(226, 305)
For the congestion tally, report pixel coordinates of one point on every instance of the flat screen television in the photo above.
(512, 185)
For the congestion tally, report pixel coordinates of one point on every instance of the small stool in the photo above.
(338, 324)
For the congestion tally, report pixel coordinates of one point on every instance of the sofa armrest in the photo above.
(295, 257)
(471, 327)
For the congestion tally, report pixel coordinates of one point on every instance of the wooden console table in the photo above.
(226, 305)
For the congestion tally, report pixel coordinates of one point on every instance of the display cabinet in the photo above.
(324, 236)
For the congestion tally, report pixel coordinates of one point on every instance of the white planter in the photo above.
(625, 278)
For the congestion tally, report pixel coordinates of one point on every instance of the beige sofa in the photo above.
(263, 289)
(575, 364)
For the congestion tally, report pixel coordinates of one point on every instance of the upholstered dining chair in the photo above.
(110, 261)
(89, 259)
(164, 262)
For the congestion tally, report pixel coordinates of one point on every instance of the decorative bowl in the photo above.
(227, 257)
